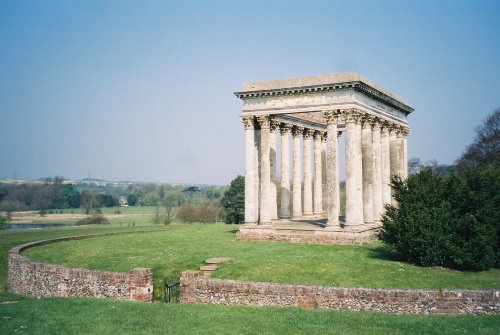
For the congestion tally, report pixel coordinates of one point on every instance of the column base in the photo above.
(332, 224)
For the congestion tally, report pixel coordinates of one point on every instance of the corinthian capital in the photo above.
(297, 131)
(367, 121)
(248, 122)
(318, 135)
(352, 116)
(309, 133)
(405, 130)
(285, 128)
(264, 121)
(274, 124)
(332, 117)
(384, 127)
(376, 124)
(393, 128)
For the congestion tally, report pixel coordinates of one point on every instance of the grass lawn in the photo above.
(93, 316)
(179, 247)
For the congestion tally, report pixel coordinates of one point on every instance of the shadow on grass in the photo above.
(382, 252)
(232, 231)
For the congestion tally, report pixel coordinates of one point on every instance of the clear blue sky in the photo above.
(142, 90)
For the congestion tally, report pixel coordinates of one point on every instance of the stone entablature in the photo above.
(35, 279)
(321, 91)
(197, 288)
(375, 125)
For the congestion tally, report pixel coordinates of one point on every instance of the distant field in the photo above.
(20, 181)
(124, 215)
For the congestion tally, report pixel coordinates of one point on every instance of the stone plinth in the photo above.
(310, 232)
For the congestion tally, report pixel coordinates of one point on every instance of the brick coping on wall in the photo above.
(198, 287)
(36, 279)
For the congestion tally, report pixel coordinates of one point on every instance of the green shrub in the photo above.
(233, 201)
(445, 221)
(117, 211)
(92, 220)
(3, 221)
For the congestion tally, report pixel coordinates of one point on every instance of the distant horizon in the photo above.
(429, 162)
(41, 179)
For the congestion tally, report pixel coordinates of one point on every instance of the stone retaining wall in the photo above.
(197, 288)
(37, 279)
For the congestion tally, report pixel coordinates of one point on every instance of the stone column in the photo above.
(308, 198)
(265, 173)
(394, 151)
(272, 161)
(353, 160)
(337, 193)
(378, 203)
(318, 181)
(332, 178)
(401, 154)
(386, 163)
(297, 182)
(285, 172)
(367, 166)
(251, 205)
(405, 132)
(323, 171)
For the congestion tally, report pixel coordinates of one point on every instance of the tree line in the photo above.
(54, 193)
(50, 194)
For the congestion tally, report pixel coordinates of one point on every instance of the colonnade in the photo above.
(375, 149)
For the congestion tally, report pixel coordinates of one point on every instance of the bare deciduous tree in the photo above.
(484, 152)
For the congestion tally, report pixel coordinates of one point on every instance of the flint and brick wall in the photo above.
(37, 279)
(197, 288)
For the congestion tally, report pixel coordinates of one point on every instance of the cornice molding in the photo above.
(358, 86)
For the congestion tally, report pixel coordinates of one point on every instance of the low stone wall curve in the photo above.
(197, 288)
(35, 279)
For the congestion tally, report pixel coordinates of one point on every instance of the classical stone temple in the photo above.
(315, 112)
